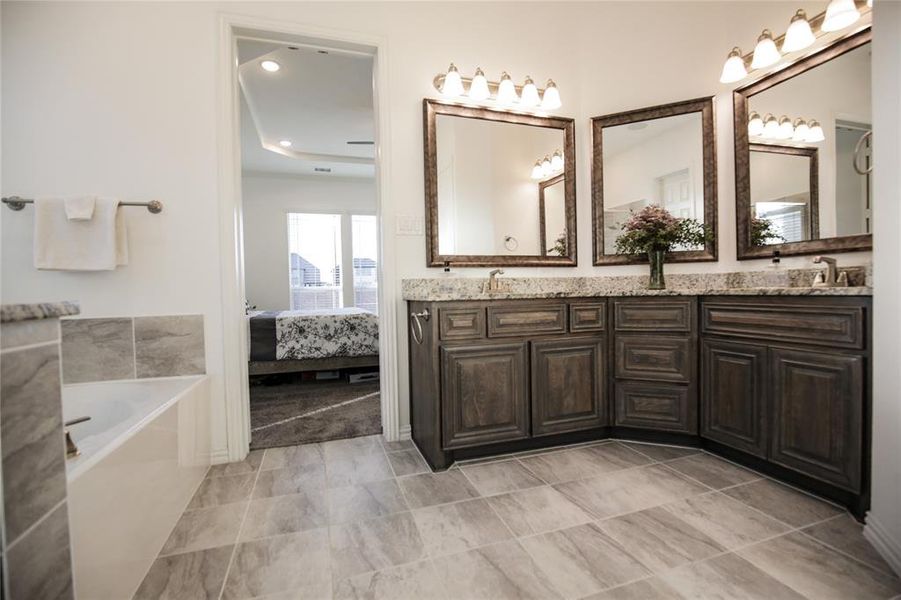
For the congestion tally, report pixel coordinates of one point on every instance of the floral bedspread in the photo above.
(302, 334)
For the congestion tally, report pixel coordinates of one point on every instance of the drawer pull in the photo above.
(416, 324)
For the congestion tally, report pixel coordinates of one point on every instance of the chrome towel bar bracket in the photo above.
(17, 203)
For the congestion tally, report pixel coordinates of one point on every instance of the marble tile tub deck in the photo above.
(362, 518)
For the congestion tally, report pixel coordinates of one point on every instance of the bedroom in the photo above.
(310, 242)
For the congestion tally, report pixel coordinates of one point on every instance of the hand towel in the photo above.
(98, 244)
(80, 208)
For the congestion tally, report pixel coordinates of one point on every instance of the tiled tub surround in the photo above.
(35, 542)
(143, 455)
(106, 349)
(363, 518)
(772, 282)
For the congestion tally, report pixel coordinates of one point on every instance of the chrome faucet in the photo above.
(831, 277)
(71, 449)
(493, 284)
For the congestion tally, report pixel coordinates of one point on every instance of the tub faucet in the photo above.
(71, 449)
(493, 284)
(831, 278)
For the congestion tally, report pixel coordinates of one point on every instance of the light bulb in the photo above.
(770, 127)
(869, 3)
(755, 124)
(802, 131)
(551, 98)
(557, 161)
(765, 53)
(839, 14)
(506, 91)
(529, 97)
(478, 89)
(270, 65)
(453, 84)
(285, 143)
(816, 133)
(734, 69)
(799, 34)
(546, 168)
(537, 171)
(786, 129)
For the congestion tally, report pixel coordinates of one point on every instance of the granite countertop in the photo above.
(40, 310)
(788, 282)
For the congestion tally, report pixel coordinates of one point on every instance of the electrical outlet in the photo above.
(409, 225)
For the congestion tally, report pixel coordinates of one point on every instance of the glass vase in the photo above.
(655, 259)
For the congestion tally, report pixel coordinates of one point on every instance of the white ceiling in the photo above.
(319, 101)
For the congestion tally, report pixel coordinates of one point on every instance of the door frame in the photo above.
(235, 351)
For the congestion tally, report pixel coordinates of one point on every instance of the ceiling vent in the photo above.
(322, 169)
(359, 143)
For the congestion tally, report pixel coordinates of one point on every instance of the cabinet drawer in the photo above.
(529, 319)
(461, 323)
(653, 315)
(818, 325)
(587, 316)
(656, 406)
(654, 358)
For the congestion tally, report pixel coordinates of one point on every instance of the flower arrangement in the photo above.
(559, 247)
(763, 232)
(654, 231)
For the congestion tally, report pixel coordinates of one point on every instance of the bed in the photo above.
(289, 341)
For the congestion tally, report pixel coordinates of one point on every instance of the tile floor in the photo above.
(362, 518)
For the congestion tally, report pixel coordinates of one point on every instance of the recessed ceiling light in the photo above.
(285, 143)
(270, 65)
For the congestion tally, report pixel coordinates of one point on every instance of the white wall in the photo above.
(884, 520)
(119, 98)
(267, 201)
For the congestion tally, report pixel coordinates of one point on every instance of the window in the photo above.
(317, 253)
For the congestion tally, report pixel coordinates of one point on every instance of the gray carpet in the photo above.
(287, 412)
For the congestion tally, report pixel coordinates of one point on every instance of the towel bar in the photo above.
(16, 203)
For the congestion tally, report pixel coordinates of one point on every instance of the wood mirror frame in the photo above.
(542, 218)
(848, 243)
(708, 141)
(814, 167)
(431, 109)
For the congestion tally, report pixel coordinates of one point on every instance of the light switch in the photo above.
(409, 225)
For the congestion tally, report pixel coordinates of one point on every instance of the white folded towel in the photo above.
(98, 244)
(80, 208)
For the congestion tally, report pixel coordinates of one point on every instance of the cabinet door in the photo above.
(733, 395)
(818, 414)
(568, 378)
(484, 393)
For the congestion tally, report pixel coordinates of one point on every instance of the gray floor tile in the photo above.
(629, 490)
(374, 544)
(415, 581)
(496, 572)
(727, 577)
(568, 465)
(817, 571)
(293, 456)
(659, 539)
(726, 520)
(407, 462)
(222, 490)
(659, 452)
(450, 528)
(582, 560)
(296, 563)
(498, 478)
(537, 510)
(352, 448)
(646, 589)
(711, 471)
(365, 501)
(430, 489)
(845, 534)
(284, 514)
(290, 480)
(614, 456)
(783, 503)
(360, 468)
(205, 528)
(248, 465)
(182, 576)
(396, 446)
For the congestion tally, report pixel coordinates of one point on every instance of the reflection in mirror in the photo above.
(498, 189)
(800, 132)
(654, 156)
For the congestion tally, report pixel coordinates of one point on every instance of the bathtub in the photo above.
(142, 456)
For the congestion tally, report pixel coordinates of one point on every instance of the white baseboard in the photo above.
(888, 548)
(405, 432)
(219, 456)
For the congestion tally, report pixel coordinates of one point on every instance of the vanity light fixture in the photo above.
(799, 131)
(786, 129)
(755, 124)
(478, 89)
(270, 65)
(549, 165)
(285, 143)
(734, 69)
(799, 34)
(557, 161)
(765, 52)
(537, 171)
(770, 127)
(840, 14)
(529, 97)
(551, 98)
(504, 93)
(816, 133)
(802, 131)
(546, 168)
(453, 83)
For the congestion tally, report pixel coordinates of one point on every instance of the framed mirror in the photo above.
(662, 155)
(499, 187)
(801, 151)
